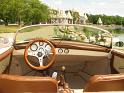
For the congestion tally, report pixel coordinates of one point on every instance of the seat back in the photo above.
(99, 83)
(27, 84)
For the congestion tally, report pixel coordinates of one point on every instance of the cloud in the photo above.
(98, 3)
(108, 7)
(121, 2)
(57, 2)
(54, 3)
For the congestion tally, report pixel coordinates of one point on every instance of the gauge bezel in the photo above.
(33, 45)
(66, 51)
(60, 50)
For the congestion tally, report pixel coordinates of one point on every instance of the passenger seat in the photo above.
(104, 83)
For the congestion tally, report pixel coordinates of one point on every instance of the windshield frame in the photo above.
(89, 26)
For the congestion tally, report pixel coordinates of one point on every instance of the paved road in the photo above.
(44, 32)
(11, 35)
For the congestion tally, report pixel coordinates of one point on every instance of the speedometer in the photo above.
(34, 47)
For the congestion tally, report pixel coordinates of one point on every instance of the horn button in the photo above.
(39, 54)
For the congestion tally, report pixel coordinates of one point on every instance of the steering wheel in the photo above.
(40, 49)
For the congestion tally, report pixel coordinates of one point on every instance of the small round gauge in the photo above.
(60, 50)
(34, 47)
(41, 43)
(66, 51)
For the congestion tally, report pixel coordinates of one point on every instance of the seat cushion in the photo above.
(27, 84)
(114, 82)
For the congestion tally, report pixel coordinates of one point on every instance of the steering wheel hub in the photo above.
(39, 54)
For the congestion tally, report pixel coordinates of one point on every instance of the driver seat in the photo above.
(27, 84)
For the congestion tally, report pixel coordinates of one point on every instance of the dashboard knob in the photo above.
(66, 51)
(60, 50)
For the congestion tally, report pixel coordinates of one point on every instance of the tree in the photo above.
(107, 20)
(75, 16)
(28, 11)
(88, 33)
(5, 11)
(37, 12)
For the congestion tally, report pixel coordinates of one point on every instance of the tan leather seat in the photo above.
(99, 83)
(27, 84)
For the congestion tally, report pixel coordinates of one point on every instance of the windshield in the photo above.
(76, 33)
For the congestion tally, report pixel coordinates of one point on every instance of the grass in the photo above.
(31, 29)
(13, 29)
(45, 32)
(116, 31)
(8, 29)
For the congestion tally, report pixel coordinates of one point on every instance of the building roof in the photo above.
(83, 16)
(69, 16)
(62, 14)
(99, 21)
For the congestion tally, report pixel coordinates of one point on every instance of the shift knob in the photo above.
(63, 68)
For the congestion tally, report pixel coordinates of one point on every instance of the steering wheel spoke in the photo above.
(41, 61)
(32, 53)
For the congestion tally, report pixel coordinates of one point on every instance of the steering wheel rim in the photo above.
(50, 61)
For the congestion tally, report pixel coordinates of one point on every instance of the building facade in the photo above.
(61, 17)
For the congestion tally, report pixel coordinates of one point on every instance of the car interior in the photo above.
(40, 65)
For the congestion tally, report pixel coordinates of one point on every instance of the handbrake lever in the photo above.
(54, 75)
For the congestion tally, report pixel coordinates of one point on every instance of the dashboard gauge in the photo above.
(66, 51)
(48, 48)
(41, 43)
(34, 47)
(60, 50)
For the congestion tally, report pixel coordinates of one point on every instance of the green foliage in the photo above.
(116, 31)
(75, 16)
(8, 29)
(27, 11)
(87, 32)
(57, 32)
(107, 20)
(30, 29)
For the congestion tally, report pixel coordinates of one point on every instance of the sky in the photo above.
(108, 7)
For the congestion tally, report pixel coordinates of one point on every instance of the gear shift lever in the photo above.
(63, 82)
(63, 70)
(62, 76)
